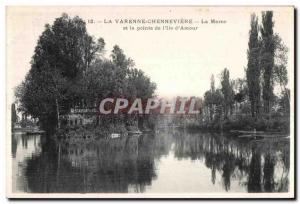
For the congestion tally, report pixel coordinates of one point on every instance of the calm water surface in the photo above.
(170, 161)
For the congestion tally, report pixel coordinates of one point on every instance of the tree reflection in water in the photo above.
(131, 164)
(261, 161)
(102, 166)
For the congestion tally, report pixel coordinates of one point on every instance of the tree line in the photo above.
(253, 96)
(69, 69)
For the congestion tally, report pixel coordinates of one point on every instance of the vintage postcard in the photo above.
(150, 102)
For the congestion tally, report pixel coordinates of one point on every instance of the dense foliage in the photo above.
(69, 69)
(250, 103)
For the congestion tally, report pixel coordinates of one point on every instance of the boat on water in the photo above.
(130, 133)
(258, 134)
(114, 135)
(135, 132)
(264, 135)
(247, 132)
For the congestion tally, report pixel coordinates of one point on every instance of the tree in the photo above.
(227, 91)
(92, 51)
(123, 65)
(14, 116)
(253, 67)
(267, 58)
(140, 85)
(213, 101)
(240, 89)
(63, 53)
(284, 102)
(280, 67)
(208, 98)
(212, 83)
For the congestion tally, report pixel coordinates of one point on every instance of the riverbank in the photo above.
(275, 124)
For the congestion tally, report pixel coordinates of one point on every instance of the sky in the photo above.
(179, 62)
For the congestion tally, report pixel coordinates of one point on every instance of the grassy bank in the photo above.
(278, 124)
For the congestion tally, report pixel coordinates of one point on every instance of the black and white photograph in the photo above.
(150, 102)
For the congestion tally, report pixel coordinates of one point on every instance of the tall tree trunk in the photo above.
(57, 113)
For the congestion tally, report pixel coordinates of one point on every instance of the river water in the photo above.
(170, 161)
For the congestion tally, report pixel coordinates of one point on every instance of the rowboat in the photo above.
(114, 135)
